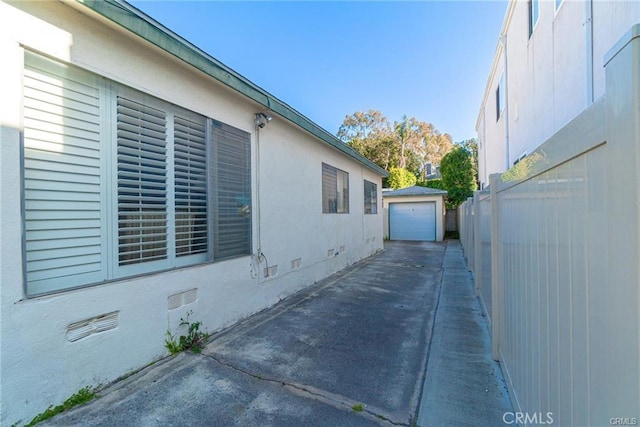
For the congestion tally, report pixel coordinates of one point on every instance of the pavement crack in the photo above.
(335, 400)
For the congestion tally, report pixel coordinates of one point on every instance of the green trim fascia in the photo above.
(145, 27)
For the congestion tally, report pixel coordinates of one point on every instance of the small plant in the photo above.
(83, 396)
(195, 340)
(358, 407)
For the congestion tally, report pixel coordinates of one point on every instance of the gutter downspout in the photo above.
(503, 42)
(588, 24)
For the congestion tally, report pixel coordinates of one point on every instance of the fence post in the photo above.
(477, 246)
(496, 265)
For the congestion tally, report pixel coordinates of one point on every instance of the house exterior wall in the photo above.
(440, 211)
(38, 365)
(551, 76)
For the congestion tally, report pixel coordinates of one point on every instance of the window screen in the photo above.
(232, 191)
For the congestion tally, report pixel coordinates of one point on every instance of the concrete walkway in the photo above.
(463, 386)
(351, 350)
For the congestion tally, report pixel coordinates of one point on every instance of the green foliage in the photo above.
(83, 396)
(358, 407)
(408, 143)
(401, 178)
(523, 168)
(458, 176)
(432, 183)
(195, 340)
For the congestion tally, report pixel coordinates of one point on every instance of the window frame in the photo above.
(332, 177)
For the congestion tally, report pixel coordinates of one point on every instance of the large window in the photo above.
(118, 183)
(335, 190)
(370, 197)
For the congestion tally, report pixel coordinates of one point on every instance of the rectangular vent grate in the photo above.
(183, 298)
(271, 271)
(104, 322)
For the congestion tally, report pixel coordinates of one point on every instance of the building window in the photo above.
(559, 3)
(370, 197)
(335, 190)
(534, 14)
(118, 183)
(500, 98)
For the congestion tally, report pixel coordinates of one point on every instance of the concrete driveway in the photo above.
(351, 350)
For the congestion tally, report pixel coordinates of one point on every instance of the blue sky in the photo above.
(328, 59)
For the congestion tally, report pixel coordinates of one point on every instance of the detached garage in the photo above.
(414, 213)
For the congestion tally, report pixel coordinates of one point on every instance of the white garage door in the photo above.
(412, 221)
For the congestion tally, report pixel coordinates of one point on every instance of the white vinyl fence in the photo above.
(554, 246)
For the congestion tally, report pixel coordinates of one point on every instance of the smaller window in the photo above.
(534, 13)
(559, 3)
(335, 190)
(370, 197)
(500, 98)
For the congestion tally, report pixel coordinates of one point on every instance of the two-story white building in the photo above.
(141, 179)
(548, 68)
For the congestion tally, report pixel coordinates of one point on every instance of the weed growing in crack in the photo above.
(81, 397)
(195, 340)
(358, 407)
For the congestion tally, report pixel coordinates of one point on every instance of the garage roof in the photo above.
(416, 190)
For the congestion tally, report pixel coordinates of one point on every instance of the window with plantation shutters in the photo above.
(118, 183)
(370, 197)
(232, 191)
(142, 183)
(190, 159)
(335, 190)
(62, 176)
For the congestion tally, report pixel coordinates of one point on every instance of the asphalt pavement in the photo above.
(350, 350)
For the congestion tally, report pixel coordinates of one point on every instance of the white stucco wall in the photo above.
(440, 211)
(552, 76)
(38, 366)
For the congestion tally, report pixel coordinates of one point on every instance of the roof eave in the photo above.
(135, 21)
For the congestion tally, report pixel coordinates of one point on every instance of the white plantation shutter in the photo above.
(142, 183)
(335, 190)
(190, 160)
(62, 177)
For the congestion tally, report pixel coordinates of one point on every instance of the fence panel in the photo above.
(556, 251)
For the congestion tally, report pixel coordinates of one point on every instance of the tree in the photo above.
(458, 176)
(408, 143)
(401, 178)
(471, 145)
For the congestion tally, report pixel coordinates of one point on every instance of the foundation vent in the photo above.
(104, 322)
(183, 298)
(271, 271)
(296, 263)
